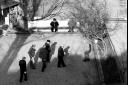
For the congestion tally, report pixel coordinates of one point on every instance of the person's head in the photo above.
(61, 46)
(48, 41)
(54, 19)
(33, 45)
(23, 58)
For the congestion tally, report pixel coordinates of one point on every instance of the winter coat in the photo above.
(22, 64)
(60, 53)
(48, 47)
(31, 52)
(43, 53)
(54, 24)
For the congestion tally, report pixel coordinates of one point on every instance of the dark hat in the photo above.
(54, 18)
(48, 40)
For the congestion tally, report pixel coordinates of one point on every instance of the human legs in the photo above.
(52, 29)
(21, 75)
(62, 63)
(56, 29)
(25, 76)
(43, 66)
(59, 63)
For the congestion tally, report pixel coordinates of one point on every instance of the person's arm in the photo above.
(25, 67)
(19, 63)
(51, 23)
(57, 24)
(62, 52)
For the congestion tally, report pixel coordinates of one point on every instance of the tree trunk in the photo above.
(24, 20)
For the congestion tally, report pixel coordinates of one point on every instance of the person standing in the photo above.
(54, 25)
(31, 53)
(48, 48)
(72, 24)
(61, 57)
(23, 69)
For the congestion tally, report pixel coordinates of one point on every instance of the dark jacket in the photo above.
(22, 64)
(60, 52)
(48, 47)
(43, 53)
(54, 24)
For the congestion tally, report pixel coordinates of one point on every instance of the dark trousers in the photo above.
(22, 74)
(44, 65)
(32, 64)
(61, 62)
(71, 29)
(54, 28)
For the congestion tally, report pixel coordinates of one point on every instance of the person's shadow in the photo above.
(86, 53)
(53, 47)
(37, 56)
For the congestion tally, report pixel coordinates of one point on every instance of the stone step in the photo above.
(49, 30)
(44, 32)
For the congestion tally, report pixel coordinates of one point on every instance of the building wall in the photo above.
(118, 9)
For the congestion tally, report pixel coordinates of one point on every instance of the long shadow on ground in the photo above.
(76, 72)
(114, 71)
(12, 53)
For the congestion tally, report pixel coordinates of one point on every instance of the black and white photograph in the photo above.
(63, 42)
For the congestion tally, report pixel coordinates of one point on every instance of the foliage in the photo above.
(92, 16)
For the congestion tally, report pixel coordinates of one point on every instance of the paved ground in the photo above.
(13, 47)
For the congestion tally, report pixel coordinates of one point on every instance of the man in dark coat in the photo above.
(61, 57)
(48, 48)
(43, 54)
(54, 25)
(23, 69)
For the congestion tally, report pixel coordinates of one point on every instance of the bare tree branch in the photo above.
(54, 9)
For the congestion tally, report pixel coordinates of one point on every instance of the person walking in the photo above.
(43, 54)
(31, 53)
(54, 25)
(61, 57)
(23, 69)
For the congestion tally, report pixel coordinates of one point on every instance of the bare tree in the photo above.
(46, 9)
(23, 5)
(92, 16)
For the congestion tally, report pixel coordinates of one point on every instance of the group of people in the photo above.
(44, 54)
